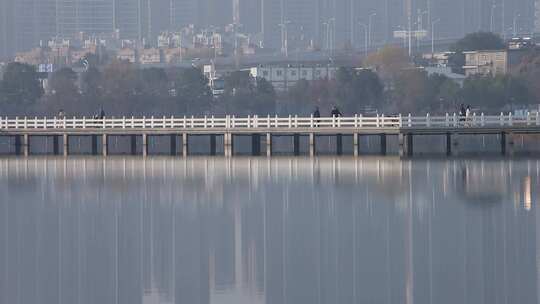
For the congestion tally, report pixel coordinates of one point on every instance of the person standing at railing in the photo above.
(468, 115)
(61, 114)
(101, 114)
(335, 112)
(317, 115)
(462, 113)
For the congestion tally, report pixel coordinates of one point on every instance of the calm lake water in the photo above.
(279, 230)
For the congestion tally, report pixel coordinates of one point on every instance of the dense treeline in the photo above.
(389, 83)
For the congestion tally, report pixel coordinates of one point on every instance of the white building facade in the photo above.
(285, 77)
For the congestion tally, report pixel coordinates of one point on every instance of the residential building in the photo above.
(170, 40)
(127, 54)
(440, 59)
(285, 77)
(447, 72)
(486, 62)
(172, 55)
(149, 56)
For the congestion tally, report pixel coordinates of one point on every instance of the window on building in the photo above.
(304, 73)
(279, 73)
(293, 73)
(265, 73)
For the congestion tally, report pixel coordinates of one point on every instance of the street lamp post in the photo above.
(329, 37)
(493, 7)
(420, 26)
(365, 36)
(516, 16)
(369, 27)
(433, 36)
(285, 40)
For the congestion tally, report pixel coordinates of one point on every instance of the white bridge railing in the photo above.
(272, 122)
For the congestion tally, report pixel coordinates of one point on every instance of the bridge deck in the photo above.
(405, 127)
(292, 124)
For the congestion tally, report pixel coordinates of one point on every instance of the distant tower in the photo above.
(236, 11)
(537, 16)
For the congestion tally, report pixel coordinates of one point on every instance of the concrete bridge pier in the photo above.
(17, 144)
(507, 143)
(65, 145)
(185, 148)
(133, 144)
(383, 143)
(356, 145)
(255, 144)
(405, 145)
(339, 144)
(145, 145)
(94, 144)
(312, 145)
(26, 144)
(213, 144)
(104, 145)
(228, 144)
(448, 137)
(56, 145)
(296, 144)
(268, 144)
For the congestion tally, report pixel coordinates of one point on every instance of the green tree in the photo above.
(245, 95)
(495, 93)
(300, 98)
(20, 87)
(529, 71)
(64, 93)
(411, 91)
(265, 98)
(388, 62)
(119, 84)
(193, 93)
(478, 41)
(354, 90)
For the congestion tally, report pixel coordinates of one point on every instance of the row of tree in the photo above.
(121, 88)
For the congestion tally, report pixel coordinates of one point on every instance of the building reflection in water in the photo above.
(279, 230)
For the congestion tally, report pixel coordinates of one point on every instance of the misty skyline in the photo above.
(324, 23)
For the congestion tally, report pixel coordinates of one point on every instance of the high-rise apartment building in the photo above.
(202, 13)
(130, 18)
(6, 29)
(89, 16)
(537, 16)
(33, 21)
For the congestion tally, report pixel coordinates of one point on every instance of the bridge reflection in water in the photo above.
(277, 230)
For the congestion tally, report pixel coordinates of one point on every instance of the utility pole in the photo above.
(515, 24)
(352, 23)
(433, 36)
(263, 2)
(503, 27)
(493, 7)
(409, 25)
(369, 27)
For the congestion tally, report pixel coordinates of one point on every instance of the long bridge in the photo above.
(261, 130)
